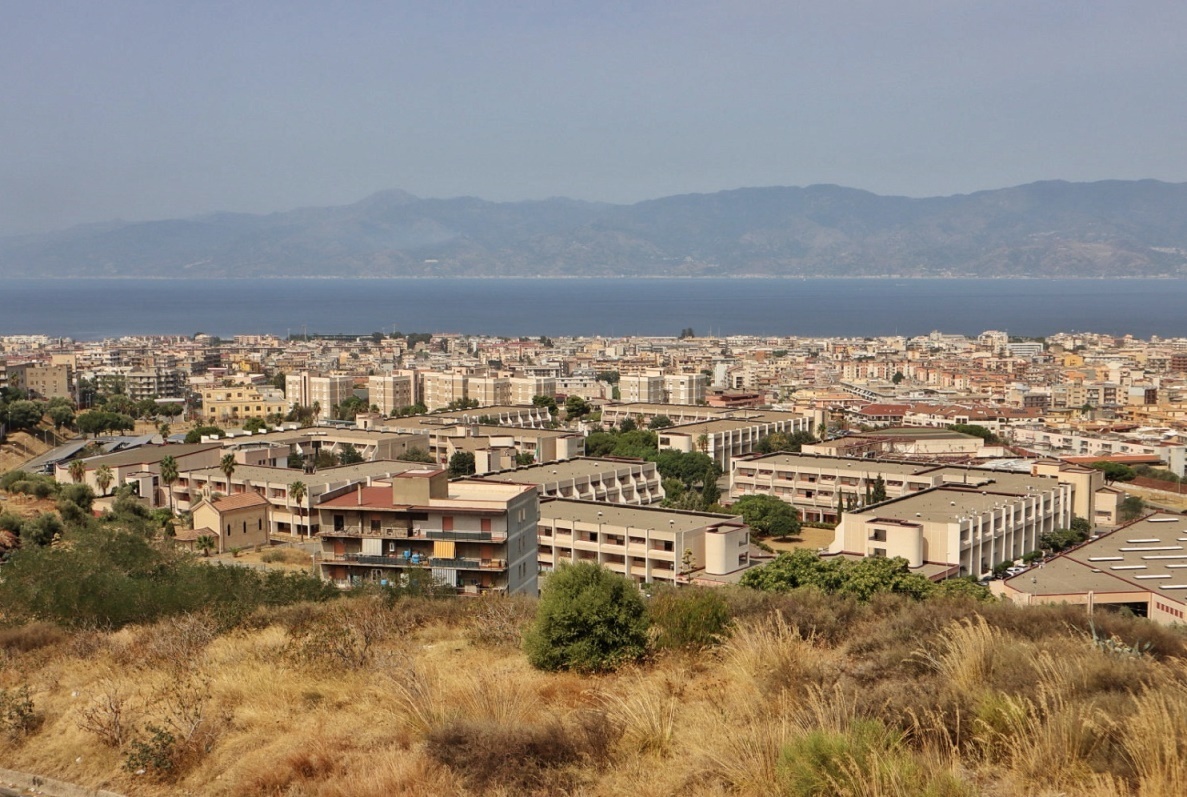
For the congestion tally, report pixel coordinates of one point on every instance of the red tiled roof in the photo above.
(239, 501)
(372, 497)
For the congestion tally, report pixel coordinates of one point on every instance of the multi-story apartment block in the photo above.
(326, 393)
(966, 526)
(606, 479)
(490, 391)
(240, 402)
(155, 383)
(645, 544)
(443, 389)
(390, 392)
(731, 437)
(42, 381)
(644, 388)
(526, 388)
(474, 536)
(685, 389)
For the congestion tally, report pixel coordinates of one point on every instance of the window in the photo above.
(447, 523)
(339, 522)
(485, 524)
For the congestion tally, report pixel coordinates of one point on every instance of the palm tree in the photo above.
(78, 470)
(169, 475)
(103, 478)
(227, 466)
(206, 544)
(297, 493)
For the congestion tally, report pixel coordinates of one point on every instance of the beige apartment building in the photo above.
(642, 388)
(685, 389)
(490, 391)
(326, 393)
(390, 392)
(727, 438)
(42, 381)
(473, 536)
(526, 388)
(971, 523)
(646, 544)
(441, 389)
(607, 479)
(237, 403)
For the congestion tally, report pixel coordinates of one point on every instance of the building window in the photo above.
(339, 522)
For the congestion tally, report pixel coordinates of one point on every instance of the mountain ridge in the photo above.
(1051, 228)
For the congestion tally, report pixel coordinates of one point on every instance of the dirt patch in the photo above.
(25, 505)
(810, 538)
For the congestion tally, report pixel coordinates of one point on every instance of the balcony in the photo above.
(415, 561)
(405, 533)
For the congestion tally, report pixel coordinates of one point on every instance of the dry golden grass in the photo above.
(894, 700)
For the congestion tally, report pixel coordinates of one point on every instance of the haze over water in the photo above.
(96, 309)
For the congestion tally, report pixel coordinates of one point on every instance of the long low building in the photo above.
(1141, 567)
(646, 544)
(607, 479)
(976, 520)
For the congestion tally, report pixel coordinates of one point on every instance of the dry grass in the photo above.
(411, 698)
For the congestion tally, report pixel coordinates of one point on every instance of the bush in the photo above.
(693, 618)
(589, 620)
(17, 715)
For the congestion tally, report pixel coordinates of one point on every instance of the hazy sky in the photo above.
(162, 108)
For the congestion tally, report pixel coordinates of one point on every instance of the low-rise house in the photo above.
(235, 521)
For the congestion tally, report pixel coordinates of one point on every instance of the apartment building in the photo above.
(1081, 444)
(727, 438)
(155, 383)
(643, 414)
(607, 479)
(525, 388)
(646, 544)
(641, 388)
(237, 403)
(325, 393)
(685, 389)
(975, 520)
(286, 514)
(470, 535)
(490, 391)
(42, 381)
(494, 447)
(439, 389)
(390, 392)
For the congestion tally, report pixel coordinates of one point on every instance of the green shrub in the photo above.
(692, 618)
(17, 715)
(589, 620)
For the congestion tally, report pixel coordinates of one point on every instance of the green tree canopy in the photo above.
(462, 464)
(588, 620)
(768, 516)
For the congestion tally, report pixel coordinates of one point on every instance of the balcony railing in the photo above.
(417, 561)
(404, 533)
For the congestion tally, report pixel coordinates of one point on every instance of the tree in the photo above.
(416, 454)
(588, 620)
(255, 425)
(103, 478)
(196, 434)
(61, 415)
(77, 470)
(525, 458)
(169, 476)
(24, 414)
(878, 493)
(687, 332)
(627, 424)
(660, 422)
(898, 377)
(1115, 471)
(227, 466)
(976, 430)
(576, 407)
(545, 401)
(349, 455)
(1131, 508)
(461, 464)
(206, 544)
(768, 516)
(297, 493)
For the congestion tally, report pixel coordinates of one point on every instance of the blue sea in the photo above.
(86, 309)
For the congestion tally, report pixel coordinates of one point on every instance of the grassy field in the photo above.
(809, 695)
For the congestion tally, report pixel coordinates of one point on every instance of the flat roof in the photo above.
(344, 473)
(145, 455)
(639, 517)
(582, 467)
(1148, 556)
(871, 466)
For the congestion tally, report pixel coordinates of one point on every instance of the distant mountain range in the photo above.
(1046, 229)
